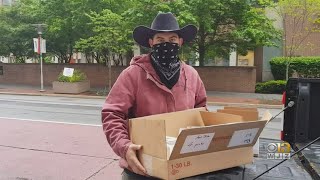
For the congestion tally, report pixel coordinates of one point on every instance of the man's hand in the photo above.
(133, 161)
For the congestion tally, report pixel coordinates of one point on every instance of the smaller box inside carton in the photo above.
(248, 114)
(192, 142)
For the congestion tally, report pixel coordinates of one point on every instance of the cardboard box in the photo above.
(213, 141)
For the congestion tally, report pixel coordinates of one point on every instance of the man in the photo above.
(154, 83)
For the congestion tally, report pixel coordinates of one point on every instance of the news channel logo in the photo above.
(278, 150)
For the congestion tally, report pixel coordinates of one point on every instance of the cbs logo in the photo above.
(279, 147)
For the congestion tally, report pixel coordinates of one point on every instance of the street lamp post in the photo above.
(39, 28)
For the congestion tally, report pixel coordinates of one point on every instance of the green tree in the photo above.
(111, 35)
(61, 29)
(226, 23)
(302, 18)
(16, 31)
(70, 22)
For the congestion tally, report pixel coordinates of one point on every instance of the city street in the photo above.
(56, 109)
(83, 111)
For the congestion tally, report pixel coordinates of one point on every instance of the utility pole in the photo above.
(39, 28)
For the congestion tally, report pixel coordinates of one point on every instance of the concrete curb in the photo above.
(267, 106)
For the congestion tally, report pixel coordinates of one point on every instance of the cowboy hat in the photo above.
(163, 22)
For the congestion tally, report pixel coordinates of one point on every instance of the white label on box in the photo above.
(68, 72)
(195, 143)
(243, 137)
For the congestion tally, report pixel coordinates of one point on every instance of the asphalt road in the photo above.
(84, 111)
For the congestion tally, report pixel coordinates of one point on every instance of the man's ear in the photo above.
(150, 42)
(180, 41)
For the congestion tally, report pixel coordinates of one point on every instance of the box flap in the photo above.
(182, 119)
(213, 118)
(248, 115)
(179, 119)
(151, 134)
(214, 138)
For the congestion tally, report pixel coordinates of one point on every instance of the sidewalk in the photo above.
(53, 151)
(214, 98)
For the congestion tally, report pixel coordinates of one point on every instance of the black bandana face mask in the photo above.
(165, 60)
(166, 53)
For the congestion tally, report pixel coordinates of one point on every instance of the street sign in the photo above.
(36, 47)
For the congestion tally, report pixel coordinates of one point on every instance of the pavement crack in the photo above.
(56, 152)
(95, 173)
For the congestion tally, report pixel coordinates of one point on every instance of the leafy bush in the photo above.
(271, 87)
(48, 59)
(77, 76)
(308, 67)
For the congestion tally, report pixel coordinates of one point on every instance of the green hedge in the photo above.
(271, 87)
(308, 67)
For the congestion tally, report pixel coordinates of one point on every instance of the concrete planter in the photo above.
(70, 88)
